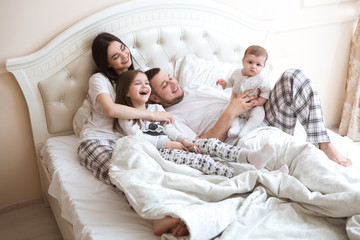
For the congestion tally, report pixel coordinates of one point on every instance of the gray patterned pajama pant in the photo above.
(210, 147)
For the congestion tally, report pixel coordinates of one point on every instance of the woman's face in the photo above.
(118, 56)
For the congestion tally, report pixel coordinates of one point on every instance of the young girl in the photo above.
(133, 89)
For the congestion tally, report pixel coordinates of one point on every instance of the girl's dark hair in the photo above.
(99, 52)
(122, 88)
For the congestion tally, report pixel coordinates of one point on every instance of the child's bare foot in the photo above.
(333, 154)
(170, 225)
(180, 230)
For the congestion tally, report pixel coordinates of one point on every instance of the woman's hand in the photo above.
(160, 117)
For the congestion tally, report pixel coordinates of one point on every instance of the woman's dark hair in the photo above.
(122, 88)
(99, 52)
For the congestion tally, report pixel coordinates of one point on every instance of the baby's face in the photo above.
(253, 65)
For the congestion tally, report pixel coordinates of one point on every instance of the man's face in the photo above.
(165, 90)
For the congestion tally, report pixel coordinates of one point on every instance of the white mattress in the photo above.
(96, 210)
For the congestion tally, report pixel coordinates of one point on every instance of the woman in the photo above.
(112, 57)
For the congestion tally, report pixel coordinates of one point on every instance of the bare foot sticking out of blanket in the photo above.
(180, 230)
(259, 158)
(333, 154)
(284, 169)
(170, 225)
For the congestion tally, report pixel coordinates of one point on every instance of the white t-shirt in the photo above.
(200, 109)
(157, 133)
(99, 125)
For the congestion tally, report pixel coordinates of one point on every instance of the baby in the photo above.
(249, 77)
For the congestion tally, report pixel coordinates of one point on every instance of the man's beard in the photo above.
(168, 103)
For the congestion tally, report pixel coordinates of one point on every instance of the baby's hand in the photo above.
(221, 82)
(255, 102)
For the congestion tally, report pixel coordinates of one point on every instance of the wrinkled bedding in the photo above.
(317, 200)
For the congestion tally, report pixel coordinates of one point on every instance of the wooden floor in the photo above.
(29, 222)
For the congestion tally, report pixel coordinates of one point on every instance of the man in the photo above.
(195, 120)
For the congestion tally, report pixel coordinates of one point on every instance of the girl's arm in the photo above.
(114, 110)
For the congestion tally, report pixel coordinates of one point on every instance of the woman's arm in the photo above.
(114, 110)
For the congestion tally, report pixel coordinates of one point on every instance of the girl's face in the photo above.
(118, 56)
(139, 91)
(253, 65)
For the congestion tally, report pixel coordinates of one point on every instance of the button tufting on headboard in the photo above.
(54, 80)
(64, 92)
(150, 47)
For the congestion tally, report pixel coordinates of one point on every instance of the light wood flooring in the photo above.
(29, 222)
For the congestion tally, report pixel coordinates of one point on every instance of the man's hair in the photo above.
(150, 75)
(257, 51)
(152, 72)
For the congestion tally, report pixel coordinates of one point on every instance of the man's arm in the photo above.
(236, 107)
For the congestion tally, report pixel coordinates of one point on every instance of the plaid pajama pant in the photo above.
(95, 155)
(293, 98)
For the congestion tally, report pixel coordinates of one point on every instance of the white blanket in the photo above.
(318, 200)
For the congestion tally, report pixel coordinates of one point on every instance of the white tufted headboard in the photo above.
(54, 79)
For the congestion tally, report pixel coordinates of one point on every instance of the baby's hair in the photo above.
(122, 88)
(257, 51)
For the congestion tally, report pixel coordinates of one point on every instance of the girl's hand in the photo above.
(190, 146)
(160, 117)
(175, 145)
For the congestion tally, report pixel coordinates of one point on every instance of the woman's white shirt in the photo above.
(99, 126)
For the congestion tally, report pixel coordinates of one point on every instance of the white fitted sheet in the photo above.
(96, 210)
(99, 211)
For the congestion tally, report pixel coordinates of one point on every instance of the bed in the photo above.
(192, 40)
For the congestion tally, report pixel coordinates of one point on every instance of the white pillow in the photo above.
(197, 70)
(81, 117)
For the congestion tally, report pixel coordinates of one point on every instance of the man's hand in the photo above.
(237, 106)
(240, 104)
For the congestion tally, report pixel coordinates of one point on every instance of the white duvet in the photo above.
(317, 200)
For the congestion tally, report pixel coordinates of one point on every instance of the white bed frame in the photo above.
(54, 80)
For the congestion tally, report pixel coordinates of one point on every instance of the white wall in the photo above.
(313, 35)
